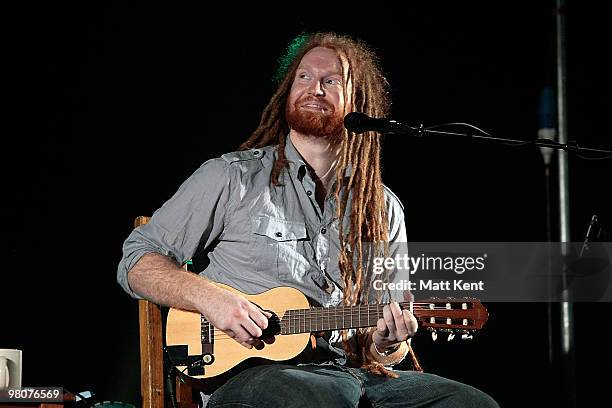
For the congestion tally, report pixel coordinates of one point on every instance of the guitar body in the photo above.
(184, 328)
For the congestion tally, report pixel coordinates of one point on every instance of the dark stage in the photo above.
(115, 105)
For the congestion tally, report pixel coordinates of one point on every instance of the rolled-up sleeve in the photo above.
(193, 217)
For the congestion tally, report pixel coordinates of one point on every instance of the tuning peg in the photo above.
(434, 335)
(451, 336)
(466, 336)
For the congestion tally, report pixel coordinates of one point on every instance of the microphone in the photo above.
(358, 122)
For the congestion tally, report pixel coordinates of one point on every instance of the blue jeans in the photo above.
(330, 385)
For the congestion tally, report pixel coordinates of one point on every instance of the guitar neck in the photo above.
(332, 318)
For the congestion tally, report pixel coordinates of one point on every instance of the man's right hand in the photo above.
(237, 317)
(159, 279)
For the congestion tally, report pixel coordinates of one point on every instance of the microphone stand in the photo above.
(567, 394)
(420, 131)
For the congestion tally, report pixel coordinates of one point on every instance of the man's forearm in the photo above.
(160, 280)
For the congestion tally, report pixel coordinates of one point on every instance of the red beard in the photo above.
(328, 124)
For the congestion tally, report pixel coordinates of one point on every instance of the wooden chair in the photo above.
(152, 374)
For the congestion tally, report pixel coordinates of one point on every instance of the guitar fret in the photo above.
(320, 328)
(287, 322)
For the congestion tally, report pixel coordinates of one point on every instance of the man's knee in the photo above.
(467, 396)
(429, 390)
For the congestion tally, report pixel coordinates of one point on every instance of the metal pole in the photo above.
(567, 323)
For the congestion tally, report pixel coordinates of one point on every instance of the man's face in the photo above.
(315, 105)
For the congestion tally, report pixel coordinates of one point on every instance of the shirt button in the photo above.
(256, 152)
(323, 230)
(279, 234)
(309, 193)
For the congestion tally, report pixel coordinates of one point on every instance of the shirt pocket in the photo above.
(279, 247)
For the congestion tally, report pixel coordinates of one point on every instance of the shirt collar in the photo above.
(296, 162)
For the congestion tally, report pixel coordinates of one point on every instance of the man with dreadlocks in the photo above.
(269, 215)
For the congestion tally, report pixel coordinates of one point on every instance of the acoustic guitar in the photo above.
(200, 351)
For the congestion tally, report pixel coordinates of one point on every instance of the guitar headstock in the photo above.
(451, 315)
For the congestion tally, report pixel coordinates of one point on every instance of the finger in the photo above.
(382, 328)
(258, 344)
(408, 296)
(258, 316)
(401, 331)
(412, 325)
(244, 343)
(251, 328)
(242, 336)
(247, 345)
(270, 340)
(389, 320)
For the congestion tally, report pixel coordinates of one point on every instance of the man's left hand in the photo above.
(395, 327)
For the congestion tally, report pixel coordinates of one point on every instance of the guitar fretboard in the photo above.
(332, 318)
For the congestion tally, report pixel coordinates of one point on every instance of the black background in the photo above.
(116, 104)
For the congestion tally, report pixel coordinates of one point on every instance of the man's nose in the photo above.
(316, 89)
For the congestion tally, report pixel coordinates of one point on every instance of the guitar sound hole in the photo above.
(273, 328)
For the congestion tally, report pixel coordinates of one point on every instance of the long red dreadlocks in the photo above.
(368, 215)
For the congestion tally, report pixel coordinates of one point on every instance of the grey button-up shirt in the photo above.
(256, 236)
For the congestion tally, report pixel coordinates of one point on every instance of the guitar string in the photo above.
(296, 320)
(307, 316)
(319, 316)
(324, 313)
(220, 335)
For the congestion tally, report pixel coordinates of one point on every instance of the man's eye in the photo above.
(332, 81)
(303, 76)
